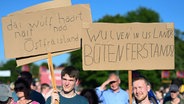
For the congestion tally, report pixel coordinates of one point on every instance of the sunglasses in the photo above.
(112, 82)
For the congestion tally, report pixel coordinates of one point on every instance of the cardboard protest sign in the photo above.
(128, 46)
(26, 60)
(40, 32)
(46, 5)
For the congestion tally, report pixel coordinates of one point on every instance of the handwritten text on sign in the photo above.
(44, 31)
(128, 46)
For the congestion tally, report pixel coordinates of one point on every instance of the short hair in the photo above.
(71, 71)
(111, 74)
(141, 78)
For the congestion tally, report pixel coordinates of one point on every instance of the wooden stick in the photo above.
(51, 68)
(130, 85)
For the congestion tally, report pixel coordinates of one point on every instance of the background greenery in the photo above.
(93, 79)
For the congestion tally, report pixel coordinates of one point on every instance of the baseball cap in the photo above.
(5, 92)
(173, 88)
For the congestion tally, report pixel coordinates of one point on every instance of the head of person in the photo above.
(174, 91)
(22, 88)
(141, 88)
(5, 94)
(115, 82)
(91, 95)
(69, 78)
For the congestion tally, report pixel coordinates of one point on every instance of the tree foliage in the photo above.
(10, 65)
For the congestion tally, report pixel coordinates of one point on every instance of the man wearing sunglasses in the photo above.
(174, 92)
(113, 95)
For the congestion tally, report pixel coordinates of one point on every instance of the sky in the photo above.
(169, 11)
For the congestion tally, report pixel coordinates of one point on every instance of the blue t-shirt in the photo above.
(78, 99)
(110, 97)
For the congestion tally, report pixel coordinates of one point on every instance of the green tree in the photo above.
(10, 65)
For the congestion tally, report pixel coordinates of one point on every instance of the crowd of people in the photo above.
(23, 91)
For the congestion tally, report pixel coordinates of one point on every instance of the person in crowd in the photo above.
(36, 85)
(159, 95)
(45, 90)
(141, 88)
(34, 95)
(5, 94)
(22, 89)
(91, 95)
(69, 79)
(151, 95)
(174, 93)
(114, 93)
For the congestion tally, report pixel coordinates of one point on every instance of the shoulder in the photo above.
(182, 100)
(36, 96)
(168, 102)
(81, 98)
(48, 101)
(33, 92)
(123, 91)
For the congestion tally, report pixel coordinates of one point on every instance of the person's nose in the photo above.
(67, 82)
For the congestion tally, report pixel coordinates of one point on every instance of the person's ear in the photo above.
(77, 82)
(148, 87)
(119, 81)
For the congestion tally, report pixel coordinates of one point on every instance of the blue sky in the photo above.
(169, 11)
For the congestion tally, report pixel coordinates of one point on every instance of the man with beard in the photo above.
(113, 95)
(69, 79)
(141, 88)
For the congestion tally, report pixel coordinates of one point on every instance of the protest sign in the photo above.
(40, 32)
(42, 6)
(26, 60)
(128, 46)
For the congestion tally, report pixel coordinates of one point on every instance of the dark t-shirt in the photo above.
(36, 96)
(78, 99)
